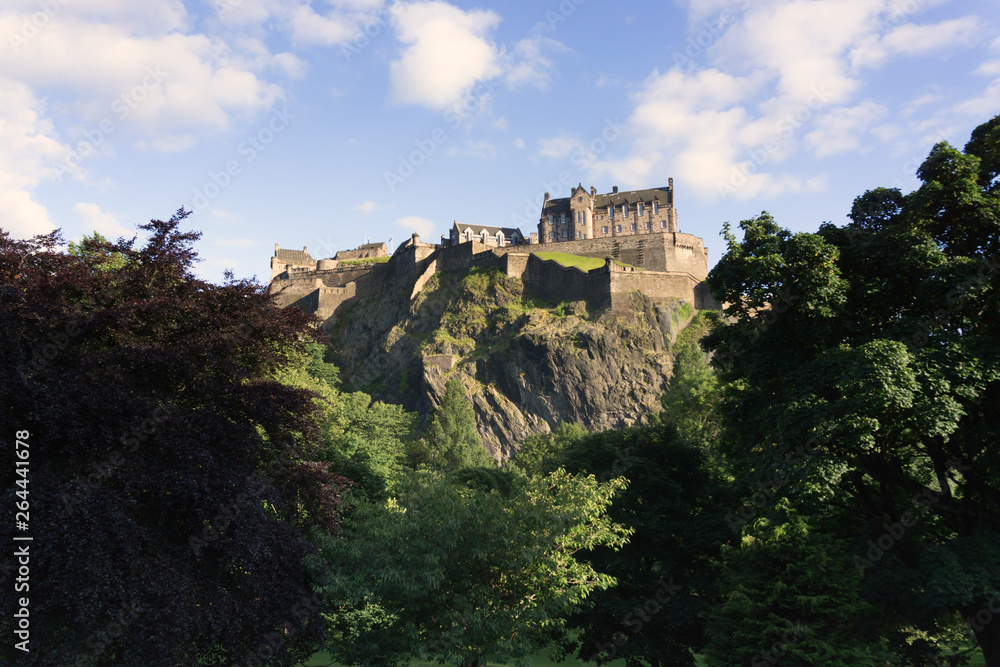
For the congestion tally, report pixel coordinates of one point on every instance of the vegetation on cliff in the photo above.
(815, 480)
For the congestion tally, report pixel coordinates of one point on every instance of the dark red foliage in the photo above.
(165, 526)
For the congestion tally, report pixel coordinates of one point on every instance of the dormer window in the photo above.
(640, 209)
(625, 209)
(552, 219)
(656, 208)
(484, 235)
(611, 212)
(468, 235)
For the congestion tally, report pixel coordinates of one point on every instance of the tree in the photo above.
(464, 573)
(97, 252)
(452, 441)
(171, 485)
(675, 503)
(791, 596)
(691, 401)
(867, 358)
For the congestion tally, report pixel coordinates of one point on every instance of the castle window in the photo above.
(579, 216)
(649, 225)
(579, 234)
(656, 208)
(579, 198)
(552, 219)
(552, 235)
(565, 234)
(625, 209)
(499, 238)
(640, 209)
(618, 228)
(484, 235)
(611, 212)
(562, 218)
(663, 224)
(605, 230)
(468, 235)
(633, 226)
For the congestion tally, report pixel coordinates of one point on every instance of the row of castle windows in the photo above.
(649, 227)
(565, 234)
(499, 237)
(581, 216)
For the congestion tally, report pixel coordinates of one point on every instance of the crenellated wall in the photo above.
(670, 266)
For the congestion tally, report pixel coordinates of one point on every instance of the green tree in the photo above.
(97, 252)
(171, 476)
(452, 441)
(675, 504)
(464, 573)
(691, 402)
(791, 595)
(867, 358)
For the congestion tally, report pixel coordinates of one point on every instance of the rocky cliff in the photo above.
(527, 365)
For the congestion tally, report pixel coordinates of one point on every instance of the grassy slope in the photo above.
(566, 259)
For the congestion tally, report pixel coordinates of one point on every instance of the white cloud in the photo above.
(840, 129)
(911, 39)
(528, 64)
(366, 206)
(481, 149)
(96, 220)
(169, 83)
(413, 223)
(519, 143)
(447, 51)
(560, 146)
(989, 68)
(779, 77)
(29, 150)
(292, 65)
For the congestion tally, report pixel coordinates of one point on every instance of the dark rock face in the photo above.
(526, 365)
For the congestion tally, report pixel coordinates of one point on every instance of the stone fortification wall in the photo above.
(654, 284)
(672, 251)
(554, 282)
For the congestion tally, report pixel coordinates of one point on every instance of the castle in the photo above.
(635, 233)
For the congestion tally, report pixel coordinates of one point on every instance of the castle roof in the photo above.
(293, 256)
(477, 230)
(562, 204)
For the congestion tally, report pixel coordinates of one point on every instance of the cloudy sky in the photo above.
(322, 123)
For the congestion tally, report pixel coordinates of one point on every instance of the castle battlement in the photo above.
(642, 249)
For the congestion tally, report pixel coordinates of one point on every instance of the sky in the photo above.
(328, 123)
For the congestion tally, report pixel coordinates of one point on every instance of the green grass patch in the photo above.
(566, 259)
(366, 260)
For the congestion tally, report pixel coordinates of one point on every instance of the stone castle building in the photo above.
(587, 215)
(635, 233)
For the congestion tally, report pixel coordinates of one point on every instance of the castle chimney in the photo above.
(614, 190)
(275, 249)
(305, 249)
(593, 191)
(670, 182)
(546, 196)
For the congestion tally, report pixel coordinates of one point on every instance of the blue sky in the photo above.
(318, 123)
